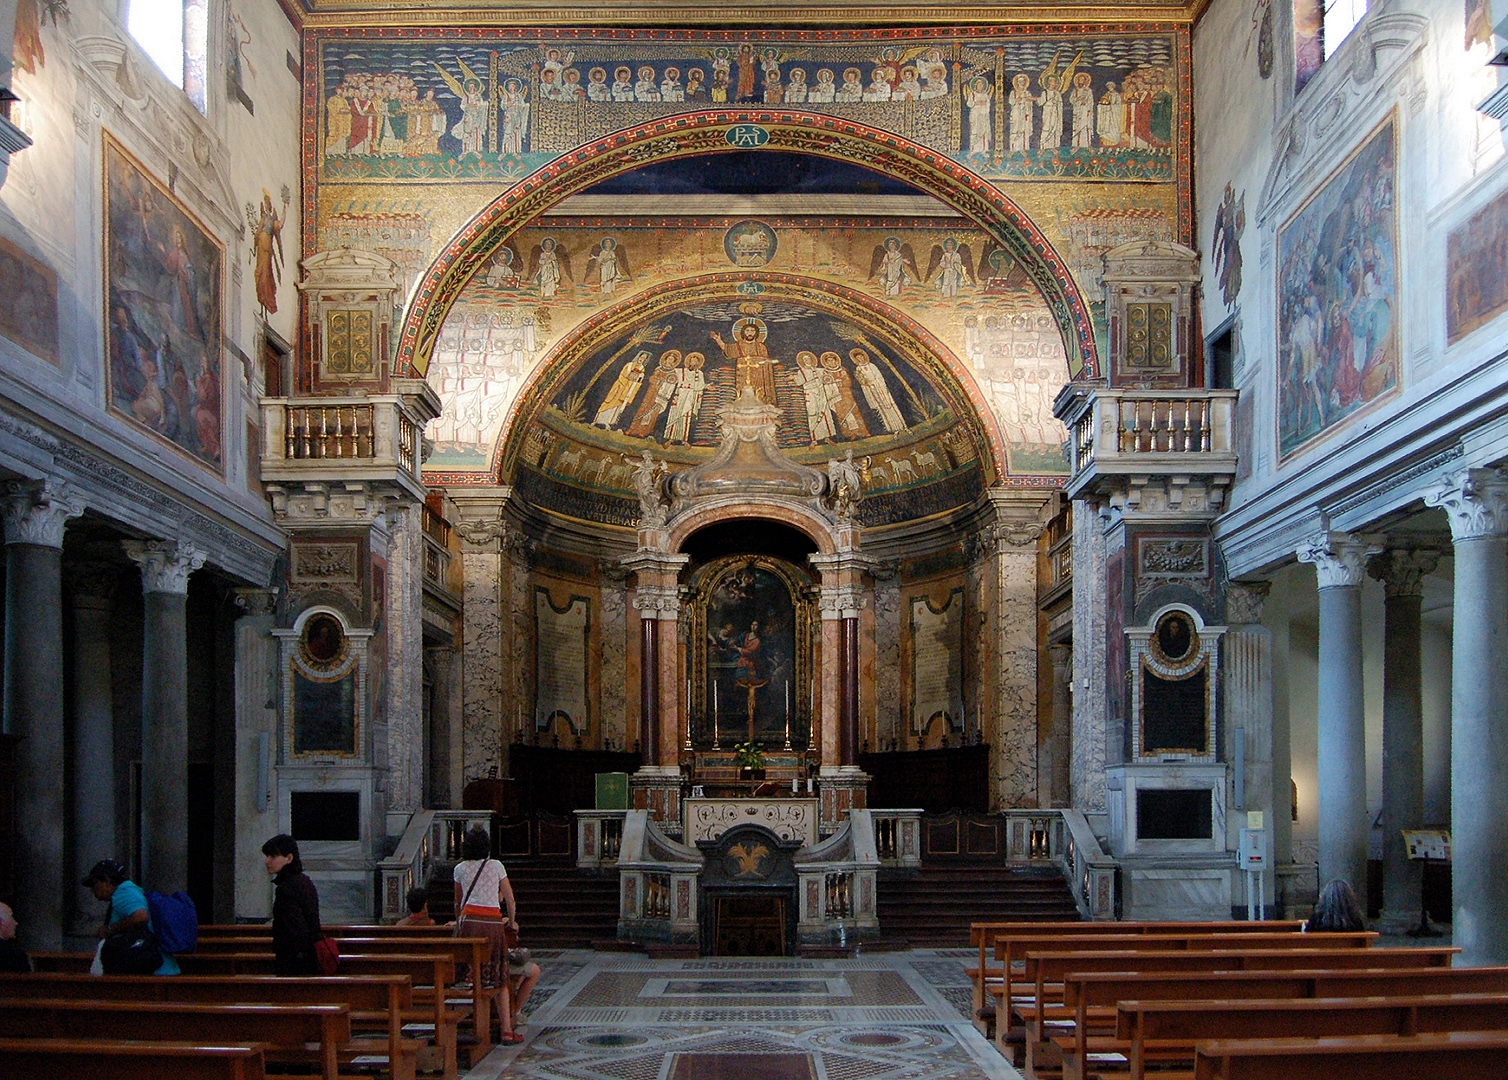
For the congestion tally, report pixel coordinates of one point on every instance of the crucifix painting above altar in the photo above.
(750, 654)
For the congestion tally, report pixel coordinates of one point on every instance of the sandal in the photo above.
(510, 1038)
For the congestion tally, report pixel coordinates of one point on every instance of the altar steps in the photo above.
(933, 907)
(559, 906)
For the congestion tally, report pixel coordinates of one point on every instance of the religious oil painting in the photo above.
(1476, 254)
(755, 678)
(487, 106)
(1338, 297)
(29, 317)
(162, 325)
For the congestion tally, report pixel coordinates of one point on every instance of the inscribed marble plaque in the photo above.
(937, 662)
(561, 664)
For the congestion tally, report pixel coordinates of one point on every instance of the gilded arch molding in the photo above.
(901, 333)
(730, 130)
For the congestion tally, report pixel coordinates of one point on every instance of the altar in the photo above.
(788, 818)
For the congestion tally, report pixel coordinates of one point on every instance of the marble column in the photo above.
(165, 569)
(94, 836)
(1340, 563)
(848, 713)
(1090, 729)
(1402, 574)
(35, 514)
(649, 691)
(1476, 501)
(258, 687)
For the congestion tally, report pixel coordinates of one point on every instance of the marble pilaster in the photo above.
(518, 653)
(258, 685)
(1402, 573)
(91, 587)
(1013, 578)
(1087, 759)
(889, 728)
(1053, 771)
(1340, 564)
(614, 698)
(1247, 684)
(662, 697)
(405, 657)
(34, 516)
(482, 647)
(1476, 501)
(165, 569)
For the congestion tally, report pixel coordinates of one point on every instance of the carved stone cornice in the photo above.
(483, 535)
(1475, 500)
(36, 511)
(1339, 559)
(658, 601)
(842, 602)
(346, 502)
(165, 564)
(1402, 570)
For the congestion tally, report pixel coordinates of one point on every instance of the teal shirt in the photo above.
(128, 899)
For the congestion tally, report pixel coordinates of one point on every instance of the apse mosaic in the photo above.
(495, 105)
(659, 384)
(947, 276)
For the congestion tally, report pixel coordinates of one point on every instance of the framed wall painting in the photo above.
(163, 274)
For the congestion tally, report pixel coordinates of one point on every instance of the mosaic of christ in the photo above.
(832, 383)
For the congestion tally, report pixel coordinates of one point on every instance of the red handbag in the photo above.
(326, 955)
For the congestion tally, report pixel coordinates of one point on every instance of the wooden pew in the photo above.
(376, 1002)
(983, 935)
(284, 1030)
(471, 951)
(430, 976)
(1174, 1028)
(27, 1059)
(1458, 1055)
(222, 930)
(1095, 996)
(1012, 952)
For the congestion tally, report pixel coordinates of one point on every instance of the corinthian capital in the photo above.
(165, 564)
(37, 510)
(1402, 572)
(1475, 500)
(1339, 559)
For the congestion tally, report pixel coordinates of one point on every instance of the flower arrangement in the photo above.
(750, 754)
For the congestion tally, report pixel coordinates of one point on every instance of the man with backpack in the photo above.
(130, 942)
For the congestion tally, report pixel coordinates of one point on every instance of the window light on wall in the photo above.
(1341, 17)
(175, 34)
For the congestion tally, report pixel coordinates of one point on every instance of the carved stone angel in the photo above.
(843, 485)
(649, 471)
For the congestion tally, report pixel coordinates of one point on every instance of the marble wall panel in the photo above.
(405, 675)
(614, 663)
(1016, 675)
(890, 730)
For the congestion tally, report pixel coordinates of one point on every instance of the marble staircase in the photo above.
(559, 906)
(933, 907)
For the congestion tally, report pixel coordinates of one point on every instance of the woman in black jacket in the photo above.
(295, 909)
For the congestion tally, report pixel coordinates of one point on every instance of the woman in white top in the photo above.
(483, 893)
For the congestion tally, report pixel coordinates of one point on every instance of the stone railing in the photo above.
(1116, 431)
(1034, 836)
(657, 882)
(836, 890)
(898, 837)
(432, 836)
(599, 838)
(357, 437)
(1090, 873)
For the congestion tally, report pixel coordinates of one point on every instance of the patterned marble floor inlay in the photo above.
(613, 1016)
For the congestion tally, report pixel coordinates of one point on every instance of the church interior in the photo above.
(805, 479)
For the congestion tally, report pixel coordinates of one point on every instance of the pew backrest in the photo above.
(27, 1059)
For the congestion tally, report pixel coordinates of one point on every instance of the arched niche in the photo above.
(712, 132)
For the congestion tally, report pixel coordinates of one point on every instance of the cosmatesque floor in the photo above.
(613, 1016)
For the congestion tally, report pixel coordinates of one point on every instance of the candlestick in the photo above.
(688, 715)
(793, 786)
(716, 738)
(787, 715)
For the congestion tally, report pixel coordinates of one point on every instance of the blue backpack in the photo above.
(175, 920)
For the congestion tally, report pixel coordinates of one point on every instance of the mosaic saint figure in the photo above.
(814, 391)
(427, 126)
(748, 71)
(472, 128)
(894, 263)
(657, 397)
(623, 84)
(1081, 101)
(1110, 117)
(822, 92)
(752, 364)
(1023, 114)
(795, 89)
(933, 72)
(879, 86)
(363, 120)
(1052, 113)
(547, 263)
(337, 123)
(852, 89)
(596, 86)
(612, 267)
(908, 89)
(571, 90)
(695, 90)
(949, 266)
(267, 249)
(845, 408)
(671, 88)
(623, 391)
(646, 89)
(871, 381)
(515, 109)
(689, 386)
